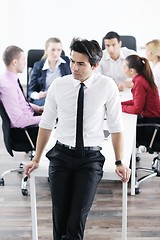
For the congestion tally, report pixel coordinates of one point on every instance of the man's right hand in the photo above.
(30, 167)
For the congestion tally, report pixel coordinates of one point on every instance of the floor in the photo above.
(104, 220)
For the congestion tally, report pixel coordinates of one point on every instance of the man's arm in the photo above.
(117, 141)
(122, 171)
(42, 139)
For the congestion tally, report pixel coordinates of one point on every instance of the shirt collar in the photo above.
(88, 83)
(12, 75)
(46, 63)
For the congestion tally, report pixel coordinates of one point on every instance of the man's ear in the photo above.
(14, 62)
(95, 66)
(120, 43)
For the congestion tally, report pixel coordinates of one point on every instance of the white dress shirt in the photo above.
(101, 98)
(112, 68)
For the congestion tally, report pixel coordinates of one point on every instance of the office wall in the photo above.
(29, 23)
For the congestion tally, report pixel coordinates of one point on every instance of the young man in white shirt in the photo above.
(73, 175)
(113, 58)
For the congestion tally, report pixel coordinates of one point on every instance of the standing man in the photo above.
(113, 58)
(76, 163)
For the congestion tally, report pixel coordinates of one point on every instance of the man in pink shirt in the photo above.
(20, 111)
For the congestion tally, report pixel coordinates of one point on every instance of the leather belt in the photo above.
(96, 148)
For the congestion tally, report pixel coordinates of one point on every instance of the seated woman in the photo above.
(145, 102)
(51, 66)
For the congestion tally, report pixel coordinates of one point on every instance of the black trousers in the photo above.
(73, 184)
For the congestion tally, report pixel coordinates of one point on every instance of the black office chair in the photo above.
(148, 136)
(34, 55)
(20, 140)
(127, 41)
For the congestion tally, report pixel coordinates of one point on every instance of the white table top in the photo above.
(129, 121)
(107, 150)
(125, 94)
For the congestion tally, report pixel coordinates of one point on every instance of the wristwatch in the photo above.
(118, 162)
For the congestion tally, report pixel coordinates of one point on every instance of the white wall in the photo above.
(29, 23)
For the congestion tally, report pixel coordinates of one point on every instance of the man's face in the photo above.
(80, 66)
(20, 63)
(113, 47)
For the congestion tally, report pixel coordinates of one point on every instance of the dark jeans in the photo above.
(73, 183)
(39, 102)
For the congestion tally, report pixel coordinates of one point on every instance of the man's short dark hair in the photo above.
(10, 53)
(91, 48)
(111, 35)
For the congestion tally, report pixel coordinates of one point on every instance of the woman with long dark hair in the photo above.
(145, 100)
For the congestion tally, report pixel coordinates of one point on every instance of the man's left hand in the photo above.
(123, 172)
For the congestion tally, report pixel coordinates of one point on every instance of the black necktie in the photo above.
(79, 128)
(24, 93)
(21, 88)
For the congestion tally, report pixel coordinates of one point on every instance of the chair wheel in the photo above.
(154, 163)
(138, 159)
(2, 182)
(137, 190)
(21, 165)
(24, 192)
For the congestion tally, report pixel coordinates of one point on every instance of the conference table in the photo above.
(129, 122)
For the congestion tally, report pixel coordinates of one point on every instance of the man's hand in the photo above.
(30, 167)
(123, 172)
(40, 109)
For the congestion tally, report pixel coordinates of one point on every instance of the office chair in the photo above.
(20, 140)
(148, 136)
(34, 55)
(127, 41)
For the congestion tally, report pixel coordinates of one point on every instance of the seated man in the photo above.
(20, 112)
(113, 58)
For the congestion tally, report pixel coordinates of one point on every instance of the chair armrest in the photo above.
(31, 126)
(152, 131)
(155, 125)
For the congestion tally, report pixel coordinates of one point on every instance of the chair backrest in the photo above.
(127, 41)
(6, 129)
(17, 138)
(148, 133)
(34, 55)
